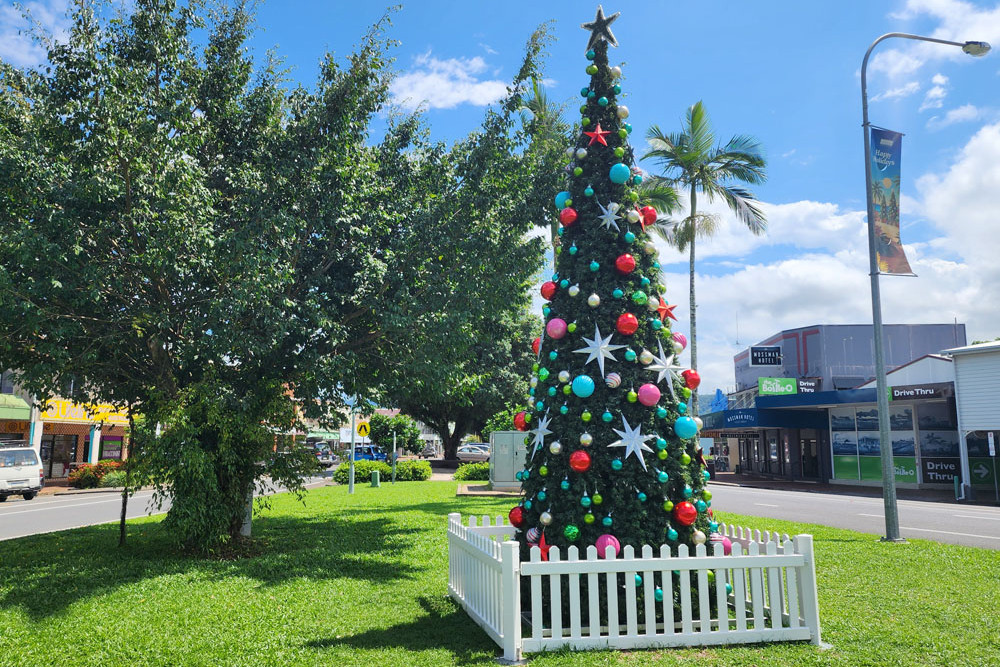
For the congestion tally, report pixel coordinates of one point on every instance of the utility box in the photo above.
(507, 452)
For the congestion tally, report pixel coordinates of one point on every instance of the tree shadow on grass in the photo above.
(42, 575)
(444, 626)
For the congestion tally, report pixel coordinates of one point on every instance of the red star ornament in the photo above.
(666, 311)
(598, 135)
(543, 547)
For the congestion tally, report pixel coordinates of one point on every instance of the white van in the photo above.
(20, 471)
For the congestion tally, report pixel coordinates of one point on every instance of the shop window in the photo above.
(58, 451)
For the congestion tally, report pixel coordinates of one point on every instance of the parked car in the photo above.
(474, 451)
(429, 451)
(20, 471)
(369, 453)
(324, 455)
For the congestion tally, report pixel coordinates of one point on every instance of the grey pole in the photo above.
(350, 480)
(394, 450)
(881, 385)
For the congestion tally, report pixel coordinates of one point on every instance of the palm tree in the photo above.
(543, 120)
(691, 161)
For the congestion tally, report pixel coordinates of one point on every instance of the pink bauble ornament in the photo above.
(727, 545)
(605, 541)
(680, 339)
(649, 394)
(556, 328)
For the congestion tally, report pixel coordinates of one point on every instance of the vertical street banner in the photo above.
(886, 147)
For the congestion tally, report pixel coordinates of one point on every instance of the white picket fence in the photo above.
(773, 594)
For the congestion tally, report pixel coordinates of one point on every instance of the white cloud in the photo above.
(488, 49)
(16, 46)
(444, 84)
(934, 97)
(939, 79)
(962, 114)
(896, 93)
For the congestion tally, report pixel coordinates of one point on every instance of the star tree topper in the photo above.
(633, 441)
(600, 28)
(599, 348)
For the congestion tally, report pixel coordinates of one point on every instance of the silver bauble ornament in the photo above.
(678, 348)
(698, 422)
(616, 72)
(570, 151)
(646, 358)
(574, 290)
(698, 537)
(586, 439)
(653, 305)
(546, 519)
(581, 153)
(622, 111)
(533, 381)
(634, 216)
(555, 447)
(564, 376)
(649, 248)
(593, 301)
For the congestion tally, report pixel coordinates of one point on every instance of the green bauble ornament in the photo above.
(571, 532)
(619, 151)
(639, 297)
(583, 108)
(685, 458)
(706, 494)
(687, 392)
(567, 390)
(633, 196)
(662, 454)
(591, 69)
(571, 327)
(585, 122)
(534, 367)
(632, 396)
(543, 374)
(585, 416)
(588, 518)
(623, 134)
(668, 506)
(543, 471)
(598, 499)
(578, 171)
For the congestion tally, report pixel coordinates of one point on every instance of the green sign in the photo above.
(906, 468)
(845, 467)
(982, 469)
(777, 386)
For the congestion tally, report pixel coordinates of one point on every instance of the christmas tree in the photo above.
(612, 455)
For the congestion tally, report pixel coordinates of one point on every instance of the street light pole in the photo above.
(881, 385)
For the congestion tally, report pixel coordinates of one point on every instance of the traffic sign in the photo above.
(993, 444)
(364, 429)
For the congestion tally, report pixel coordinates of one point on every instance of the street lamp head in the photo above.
(977, 49)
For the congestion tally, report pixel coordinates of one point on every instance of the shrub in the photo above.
(362, 471)
(473, 472)
(113, 480)
(88, 476)
(412, 471)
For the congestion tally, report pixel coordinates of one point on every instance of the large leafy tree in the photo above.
(399, 429)
(692, 162)
(185, 236)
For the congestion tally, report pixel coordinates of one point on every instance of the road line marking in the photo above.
(946, 532)
(979, 516)
(116, 499)
(877, 516)
(766, 505)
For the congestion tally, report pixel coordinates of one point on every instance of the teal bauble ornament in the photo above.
(618, 294)
(661, 412)
(595, 265)
(564, 485)
(616, 464)
(552, 391)
(561, 198)
(685, 428)
(619, 173)
(638, 580)
(588, 191)
(546, 310)
(572, 249)
(564, 283)
(637, 179)
(672, 535)
(591, 54)
(662, 477)
(629, 355)
(606, 522)
(585, 501)
(563, 409)
(706, 475)
(527, 504)
(617, 89)
(603, 101)
(591, 95)
(688, 492)
(656, 323)
(658, 594)
(584, 92)
(700, 506)
(645, 281)
(607, 417)
(583, 386)
(682, 408)
(661, 443)
(641, 496)
(542, 495)
(553, 354)
(629, 237)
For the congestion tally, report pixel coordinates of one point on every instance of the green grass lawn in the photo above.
(362, 580)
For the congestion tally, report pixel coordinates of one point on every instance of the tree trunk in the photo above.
(693, 333)
(121, 521)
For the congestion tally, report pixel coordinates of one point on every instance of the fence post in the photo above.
(808, 598)
(510, 582)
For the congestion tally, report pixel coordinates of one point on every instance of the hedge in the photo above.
(473, 472)
(406, 471)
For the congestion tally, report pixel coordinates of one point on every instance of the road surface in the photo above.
(971, 525)
(50, 513)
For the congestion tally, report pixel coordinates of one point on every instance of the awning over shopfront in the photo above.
(12, 407)
(744, 418)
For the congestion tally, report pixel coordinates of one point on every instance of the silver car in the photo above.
(475, 451)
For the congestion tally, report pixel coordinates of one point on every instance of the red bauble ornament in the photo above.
(648, 214)
(625, 263)
(516, 517)
(548, 290)
(519, 422)
(627, 324)
(579, 461)
(684, 512)
(567, 216)
(691, 379)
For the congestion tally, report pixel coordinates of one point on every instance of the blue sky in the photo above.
(785, 72)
